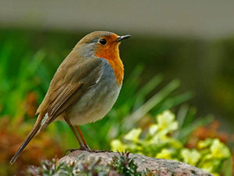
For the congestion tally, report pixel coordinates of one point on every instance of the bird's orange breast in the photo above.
(111, 54)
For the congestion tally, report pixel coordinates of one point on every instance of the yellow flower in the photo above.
(165, 154)
(117, 145)
(219, 150)
(204, 144)
(190, 156)
(176, 144)
(166, 121)
(159, 138)
(133, 135)
(210, 166)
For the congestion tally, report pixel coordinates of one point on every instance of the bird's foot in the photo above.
(84, 148)
(101, 151)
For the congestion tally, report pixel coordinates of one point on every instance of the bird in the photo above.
(84, 88)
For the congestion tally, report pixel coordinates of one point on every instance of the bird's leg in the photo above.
(82, 146)
(82, 138)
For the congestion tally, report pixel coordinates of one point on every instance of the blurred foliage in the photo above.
(223, 86)
(28, 61)
(12, 134)
(159, 141)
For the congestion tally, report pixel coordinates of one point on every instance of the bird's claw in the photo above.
(84, 148)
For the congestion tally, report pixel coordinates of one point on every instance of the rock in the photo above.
(159, 167)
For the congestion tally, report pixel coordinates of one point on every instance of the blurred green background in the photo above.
(179, 57)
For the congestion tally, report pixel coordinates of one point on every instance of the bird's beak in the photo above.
(120, 38)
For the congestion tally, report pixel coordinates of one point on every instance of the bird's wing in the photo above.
(70, 81)
(67, 86)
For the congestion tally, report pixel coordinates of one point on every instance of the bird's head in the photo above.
(103, 44)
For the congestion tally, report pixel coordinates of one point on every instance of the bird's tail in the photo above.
(32, 133)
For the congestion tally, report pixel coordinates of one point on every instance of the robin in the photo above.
(84, 87)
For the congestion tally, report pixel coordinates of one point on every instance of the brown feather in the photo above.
(32, 133)
(72, 87)
(66, 87)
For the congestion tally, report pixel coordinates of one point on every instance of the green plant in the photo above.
(158, 141)
(125, 165)
(24, 79)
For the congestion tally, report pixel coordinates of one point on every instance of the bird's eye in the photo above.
(102, 41)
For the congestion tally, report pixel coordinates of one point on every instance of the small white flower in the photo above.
(153, 129)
